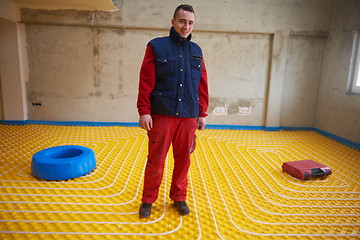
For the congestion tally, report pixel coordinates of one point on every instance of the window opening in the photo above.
(354, 73)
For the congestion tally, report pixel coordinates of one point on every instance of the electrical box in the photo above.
(220, 110)
(244, 111)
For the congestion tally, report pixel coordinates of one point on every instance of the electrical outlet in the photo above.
(220, 110)
(244, 111)
(36, 104)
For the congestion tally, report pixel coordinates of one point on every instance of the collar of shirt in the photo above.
(177, 38)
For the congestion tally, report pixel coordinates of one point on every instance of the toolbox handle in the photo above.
(317, 173)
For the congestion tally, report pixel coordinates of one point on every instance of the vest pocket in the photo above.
(163, 102)
(196, 65)
(165, 66)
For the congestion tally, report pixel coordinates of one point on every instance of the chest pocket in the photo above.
(196, 66)
(165, 66)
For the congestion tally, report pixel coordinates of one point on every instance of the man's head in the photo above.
(183, 20)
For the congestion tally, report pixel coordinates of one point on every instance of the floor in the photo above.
(237, 189)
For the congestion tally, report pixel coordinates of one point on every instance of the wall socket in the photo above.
(244, 111)
(220, 110)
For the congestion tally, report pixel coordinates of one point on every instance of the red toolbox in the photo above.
(306, 169)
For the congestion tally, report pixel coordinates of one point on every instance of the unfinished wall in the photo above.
(11, 85)
(84, 66)
(338, 112)
(83, 74)
(13, 64)
(302, 80)
(239, 73)
(1, 100)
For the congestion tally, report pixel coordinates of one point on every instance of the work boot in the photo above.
(182, 208)
(145, 210)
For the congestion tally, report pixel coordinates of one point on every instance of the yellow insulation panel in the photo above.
(237, 189)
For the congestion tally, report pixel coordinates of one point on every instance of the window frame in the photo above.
(353, 86)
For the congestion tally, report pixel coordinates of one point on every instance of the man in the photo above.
(172, 103)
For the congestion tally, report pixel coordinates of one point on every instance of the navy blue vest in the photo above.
(178, 72)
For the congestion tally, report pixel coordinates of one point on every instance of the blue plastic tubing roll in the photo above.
(63, 162)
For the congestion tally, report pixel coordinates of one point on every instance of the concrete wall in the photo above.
(13, 64)
(302, 80)
(338, 112)
(279, 58)
(8, 10)
(84, 65)
(12, 90)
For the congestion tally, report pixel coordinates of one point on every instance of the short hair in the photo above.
(185, 7)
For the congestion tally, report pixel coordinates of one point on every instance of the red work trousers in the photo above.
(167, 130)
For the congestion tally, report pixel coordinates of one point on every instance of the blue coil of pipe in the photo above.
(63, 162)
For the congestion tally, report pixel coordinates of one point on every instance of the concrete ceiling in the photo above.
(90, 5)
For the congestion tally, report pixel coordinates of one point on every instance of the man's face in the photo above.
(183, 23)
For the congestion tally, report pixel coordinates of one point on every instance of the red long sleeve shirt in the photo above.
(148, 80)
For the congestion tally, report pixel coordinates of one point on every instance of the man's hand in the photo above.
(201, 123)
(146, 122)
